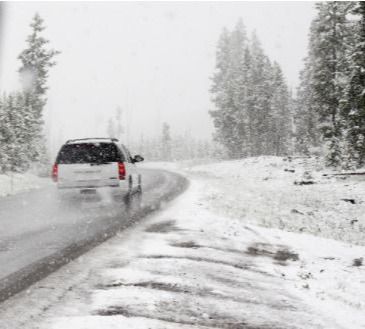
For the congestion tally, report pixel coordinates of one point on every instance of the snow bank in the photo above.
(17, 183)
(292, 195)
(301, 196)
(328, 276)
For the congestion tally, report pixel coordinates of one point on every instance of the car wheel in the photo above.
(139, 189)
(128, 196)
(130, 186)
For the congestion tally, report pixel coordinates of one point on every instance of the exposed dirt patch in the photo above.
(296, 211)
(279, 253)
(358, 261)
(194, 245)
(115, 310)
(190, 318)
(196, 291)
(165, 286)
(352, 201)
(304, 182)
(240, 266)
(285, 254)
(186, 244)
(163, 227)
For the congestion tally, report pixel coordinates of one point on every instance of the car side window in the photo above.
(127, 154)
(122, 155)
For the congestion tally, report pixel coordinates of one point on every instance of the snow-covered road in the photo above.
(198, 265)
(38, 232)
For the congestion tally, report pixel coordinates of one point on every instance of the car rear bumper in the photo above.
(95, 183)
(81, 186)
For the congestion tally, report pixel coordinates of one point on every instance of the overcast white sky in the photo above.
(152, 59)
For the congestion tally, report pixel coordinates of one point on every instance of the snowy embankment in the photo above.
(298, 195)
(294, 195)
(16, 183)
(206, 261)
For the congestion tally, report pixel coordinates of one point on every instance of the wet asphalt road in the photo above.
(39, 232)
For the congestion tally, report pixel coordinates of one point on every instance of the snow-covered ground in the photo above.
(16, 183)
(272, 192)
(220, 256)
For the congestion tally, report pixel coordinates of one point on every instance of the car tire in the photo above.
(128, 196)
(139, 188)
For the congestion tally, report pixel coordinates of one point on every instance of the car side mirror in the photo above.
(138, 158)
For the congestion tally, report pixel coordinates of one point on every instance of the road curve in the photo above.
(39, 233)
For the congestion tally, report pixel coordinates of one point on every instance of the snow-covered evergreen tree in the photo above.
(354, 104)
(36, 60)
(306, 120)
(238, 81)
(279, 116)
(5, 131)
(119, 130)
(166, 142)
(14, 153)
(114, 124)
(111, 128)
(261, 92)
(244, 86)
(225, 115)
(330, 36)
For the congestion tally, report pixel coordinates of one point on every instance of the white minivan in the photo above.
(88, 164)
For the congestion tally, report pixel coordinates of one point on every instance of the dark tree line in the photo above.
(330, 105)
(22, 141)
(252, 114)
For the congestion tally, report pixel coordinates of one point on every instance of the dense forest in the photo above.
(255, 114)
(253, 105)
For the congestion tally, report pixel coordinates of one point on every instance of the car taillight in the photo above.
(55, 172)
(121, 170)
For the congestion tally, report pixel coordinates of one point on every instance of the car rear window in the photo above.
(89, 153)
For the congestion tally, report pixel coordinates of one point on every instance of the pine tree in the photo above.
(224, 116)
(246, 103)
(292, 108)
(244, 84)
(111, 128)
(279, 116)
(114, 125)
(354, 105)
(239, 81)
(229, 92)
(118, 122)
(260, 90)
(306, 119)
(4, 131)
(36, 60)
(330, 35)
(166, 142)
(13, 147)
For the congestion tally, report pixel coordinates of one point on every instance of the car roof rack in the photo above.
(92, 138)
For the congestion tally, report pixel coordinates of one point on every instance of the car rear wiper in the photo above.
(99, 163)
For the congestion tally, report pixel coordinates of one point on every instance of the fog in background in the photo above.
(154, 60)
(1, 38)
